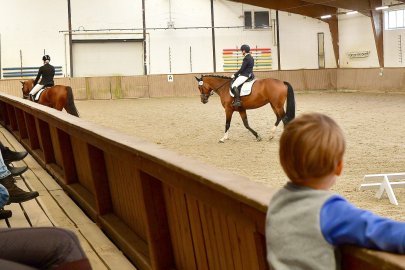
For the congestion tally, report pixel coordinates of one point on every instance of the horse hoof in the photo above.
(258, 138)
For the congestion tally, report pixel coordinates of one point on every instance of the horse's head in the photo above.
(205, 89)
(26, 87)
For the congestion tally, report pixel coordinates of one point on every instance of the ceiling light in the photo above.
(381, 8)
(352, 12)
(326, 16)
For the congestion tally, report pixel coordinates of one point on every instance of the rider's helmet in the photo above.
(245, 48)
(46, 58)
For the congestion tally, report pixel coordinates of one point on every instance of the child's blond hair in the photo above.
(311, 147)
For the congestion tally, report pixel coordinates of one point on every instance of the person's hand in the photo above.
(233, 76)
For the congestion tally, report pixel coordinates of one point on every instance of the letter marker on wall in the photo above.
(170, 78)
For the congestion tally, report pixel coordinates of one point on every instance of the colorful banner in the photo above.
(233, 59)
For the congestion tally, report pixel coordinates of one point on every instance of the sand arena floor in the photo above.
(373, 123)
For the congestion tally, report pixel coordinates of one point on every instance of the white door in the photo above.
(107, 58)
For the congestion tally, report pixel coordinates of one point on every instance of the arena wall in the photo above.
(388, 80)
(185, 85)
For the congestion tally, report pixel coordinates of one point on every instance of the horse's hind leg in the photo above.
(243, 115)
(279, 112)
(59, 106)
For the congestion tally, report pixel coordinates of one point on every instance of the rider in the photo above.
(48, 72)
(245, 71)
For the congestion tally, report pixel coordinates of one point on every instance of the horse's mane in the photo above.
(217, 76)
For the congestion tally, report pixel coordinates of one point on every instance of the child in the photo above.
(305, 221)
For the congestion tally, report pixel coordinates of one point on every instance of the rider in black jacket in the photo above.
(245, 71)
(47, 71)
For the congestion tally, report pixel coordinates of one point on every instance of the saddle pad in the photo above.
(246, 89)
(39, 94)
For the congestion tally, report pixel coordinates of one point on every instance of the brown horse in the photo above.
(57, 97)
(264, 91)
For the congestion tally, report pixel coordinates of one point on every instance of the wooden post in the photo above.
(21, 123)
(278, 42)
(378, 29)
(46, 142)
(68, 161)
(12, 118)
(100, 180)
(32, 131)
(160, 248)
(334, 32)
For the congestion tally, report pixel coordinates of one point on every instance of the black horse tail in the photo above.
(70, 106)
(290, 112)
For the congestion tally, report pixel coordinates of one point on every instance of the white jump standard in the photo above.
(384, 182)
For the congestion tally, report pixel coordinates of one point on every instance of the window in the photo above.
(248, 20)
(257, 19)
(321, 50)
(395, 19)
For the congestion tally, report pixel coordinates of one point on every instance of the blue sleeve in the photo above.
(343, 223)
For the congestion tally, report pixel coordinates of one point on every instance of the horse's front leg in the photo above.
(243, 115)
(228, 113)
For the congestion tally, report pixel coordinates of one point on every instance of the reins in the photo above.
(216, 89)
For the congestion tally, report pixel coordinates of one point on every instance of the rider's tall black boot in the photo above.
(236, 100)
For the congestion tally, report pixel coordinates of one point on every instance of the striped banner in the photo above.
(16, 72)
(233, 59)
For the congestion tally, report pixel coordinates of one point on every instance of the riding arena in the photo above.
(143, 149)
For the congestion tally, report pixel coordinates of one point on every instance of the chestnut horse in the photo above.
(264, 91)
(57, 97)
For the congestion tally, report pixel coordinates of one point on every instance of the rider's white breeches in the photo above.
(36, 88)
(239, 80)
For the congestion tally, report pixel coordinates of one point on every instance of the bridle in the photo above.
(200, 84)
(25, 96)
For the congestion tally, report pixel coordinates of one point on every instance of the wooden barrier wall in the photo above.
(390, 80)
(163, 210)
(185, 85)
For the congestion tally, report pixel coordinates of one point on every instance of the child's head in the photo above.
(311, 147)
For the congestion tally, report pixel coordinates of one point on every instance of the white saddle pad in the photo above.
(246, 89)
(37, 95)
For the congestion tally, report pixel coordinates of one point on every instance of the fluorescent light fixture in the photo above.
(352, 12)
(326, 16)
(381, 8)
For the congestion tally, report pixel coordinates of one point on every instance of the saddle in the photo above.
(35, 97)
(245, 88)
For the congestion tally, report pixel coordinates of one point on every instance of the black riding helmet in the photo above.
(46, 57)
(245, 48)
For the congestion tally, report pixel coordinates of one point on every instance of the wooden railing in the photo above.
(163, 210)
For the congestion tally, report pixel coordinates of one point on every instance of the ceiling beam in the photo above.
(359, 5)
(293, 6)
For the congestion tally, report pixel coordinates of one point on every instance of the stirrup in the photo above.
(236, 103)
